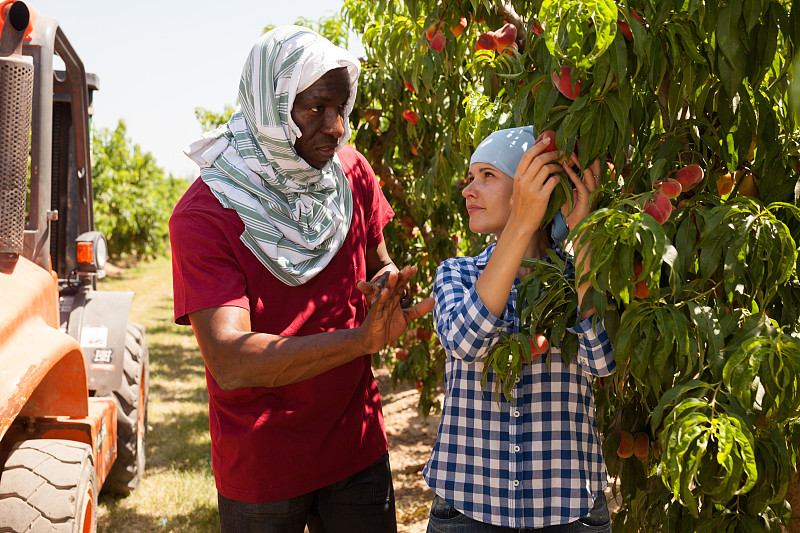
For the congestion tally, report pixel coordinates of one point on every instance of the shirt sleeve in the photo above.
(380, 212)
(595, 353)
(466, 328)
(205, 272)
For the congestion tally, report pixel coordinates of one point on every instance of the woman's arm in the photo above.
(533, 184)
(465, 327)
(595, 353)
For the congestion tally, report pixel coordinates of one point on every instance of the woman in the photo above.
(534, 463)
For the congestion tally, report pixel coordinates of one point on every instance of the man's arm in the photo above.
(379, 264)
(238, 357)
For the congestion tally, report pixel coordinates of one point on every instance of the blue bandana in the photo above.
(504, 148)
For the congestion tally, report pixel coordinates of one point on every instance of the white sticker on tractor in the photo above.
(65, 303)
(94, 337)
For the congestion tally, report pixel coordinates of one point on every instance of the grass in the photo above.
(177, 493)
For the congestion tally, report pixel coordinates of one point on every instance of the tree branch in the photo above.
(391, 181)
(510, 14)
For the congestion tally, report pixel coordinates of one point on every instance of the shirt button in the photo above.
(516, 448)
(516, 483)
(516, 414)
(580, 335)
(516, 380)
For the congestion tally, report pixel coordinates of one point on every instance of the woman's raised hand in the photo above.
(534, 182)
(584, 186)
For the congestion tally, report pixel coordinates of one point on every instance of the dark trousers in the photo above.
(361, 502)
(445, 519)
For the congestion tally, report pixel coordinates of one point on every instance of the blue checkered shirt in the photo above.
(531, 463)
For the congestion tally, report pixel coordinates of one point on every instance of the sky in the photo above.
(158, 60)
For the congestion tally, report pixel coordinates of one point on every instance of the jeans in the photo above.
(361, 502)
(445, 519)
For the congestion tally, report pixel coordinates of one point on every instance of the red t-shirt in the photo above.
(276, 443)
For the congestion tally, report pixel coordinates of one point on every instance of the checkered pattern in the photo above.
(531, 463)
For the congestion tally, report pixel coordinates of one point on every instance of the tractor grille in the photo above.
(16, 97)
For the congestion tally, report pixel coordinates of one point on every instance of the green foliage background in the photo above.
(707, 363)
(132, 198)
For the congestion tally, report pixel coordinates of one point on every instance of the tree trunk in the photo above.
(793, 497)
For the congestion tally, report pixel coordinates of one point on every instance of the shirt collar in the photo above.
(483, 258)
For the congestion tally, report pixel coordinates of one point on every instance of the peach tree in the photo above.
(693, 243)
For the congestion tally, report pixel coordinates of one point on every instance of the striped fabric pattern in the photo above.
(296, 217)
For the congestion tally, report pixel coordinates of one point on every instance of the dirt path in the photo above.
(411, 437)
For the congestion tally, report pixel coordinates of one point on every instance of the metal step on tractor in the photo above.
(73, 370)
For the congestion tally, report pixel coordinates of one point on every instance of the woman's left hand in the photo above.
(582, 193)
(580, 208)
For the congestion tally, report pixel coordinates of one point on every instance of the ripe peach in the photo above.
(562, 79)
(486, 41)
(612, 172)
(552, 135)
(636, 15)
(433, 29)
(539, 346)
(401, 354)
(671, 188)
(411, 116)
(642, 290)
(424, 334)
(437, 43)
(408, 222)
(751, 152)
(536, 28)
(724, 183)
(459, 28)
(689, 176)
(409, 86)
(625, 449)
(505, 36)
(641, 446)
(508, 49)
(748, 186)
(659, 207)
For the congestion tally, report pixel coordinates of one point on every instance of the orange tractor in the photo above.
(73, 370)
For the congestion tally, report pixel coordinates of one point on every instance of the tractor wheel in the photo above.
(131, 396)
(48, 485)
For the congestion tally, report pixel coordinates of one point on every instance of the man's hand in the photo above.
(373, 287)
(386, 319)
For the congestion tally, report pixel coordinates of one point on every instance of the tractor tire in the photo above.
(132, 399)
(48, 485)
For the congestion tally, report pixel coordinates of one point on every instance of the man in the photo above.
(271, 252)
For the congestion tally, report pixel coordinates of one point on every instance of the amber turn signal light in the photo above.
(85, 253)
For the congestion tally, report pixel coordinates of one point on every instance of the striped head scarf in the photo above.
(296, 217)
